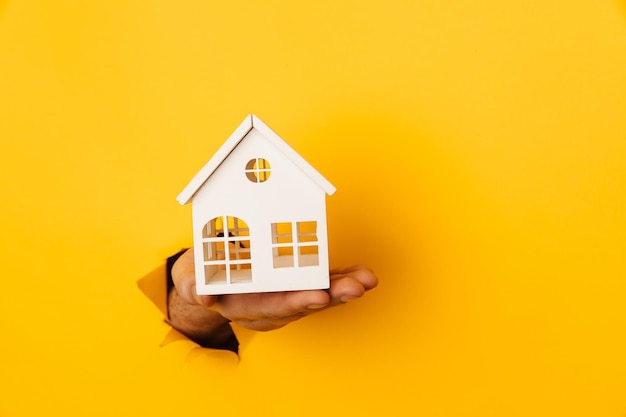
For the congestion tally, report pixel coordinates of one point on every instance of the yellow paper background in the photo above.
(479, 151)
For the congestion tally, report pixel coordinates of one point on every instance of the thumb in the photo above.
(184, 277)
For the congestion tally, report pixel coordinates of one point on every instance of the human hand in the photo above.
(272, 310)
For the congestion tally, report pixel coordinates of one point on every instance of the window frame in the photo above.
(227, 241)
(296, 240)
(258, 170)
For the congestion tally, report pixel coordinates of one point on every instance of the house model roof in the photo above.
(249, 123)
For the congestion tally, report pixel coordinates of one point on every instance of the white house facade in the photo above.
(259, 217)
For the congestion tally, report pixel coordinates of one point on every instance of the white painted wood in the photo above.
(294, 192)
(294, 156)
(251, 121)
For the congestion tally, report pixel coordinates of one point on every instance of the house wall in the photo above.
(288, 195)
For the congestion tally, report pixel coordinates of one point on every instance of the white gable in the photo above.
(250, 122)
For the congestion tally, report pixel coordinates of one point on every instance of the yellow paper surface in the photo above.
(478, 149)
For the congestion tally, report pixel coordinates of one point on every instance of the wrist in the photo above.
(205, 327)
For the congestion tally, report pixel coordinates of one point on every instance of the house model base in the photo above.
(259, 217)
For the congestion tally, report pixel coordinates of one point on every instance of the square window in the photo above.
(294, 244)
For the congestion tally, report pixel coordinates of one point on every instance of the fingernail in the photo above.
(347, 298)
(316, 306)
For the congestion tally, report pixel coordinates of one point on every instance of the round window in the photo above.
(258, 170)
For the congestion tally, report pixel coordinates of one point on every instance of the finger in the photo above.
(345, 270)
(271, 305)
(184, 277)
(345, 289)
(362, 274)
(263, 325)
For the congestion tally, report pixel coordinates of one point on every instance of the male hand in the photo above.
(272, 310)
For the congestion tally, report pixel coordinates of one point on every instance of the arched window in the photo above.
(226, 250)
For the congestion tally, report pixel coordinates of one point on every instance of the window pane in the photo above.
(308, 256)
(214, 228)
(242, 274)
(282, 233)
(237, 227)
(258, 170)
(284, 258)
(209, 250)
(307, 231)
(214, 275)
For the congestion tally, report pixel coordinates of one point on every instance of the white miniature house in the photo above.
(259, 216)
